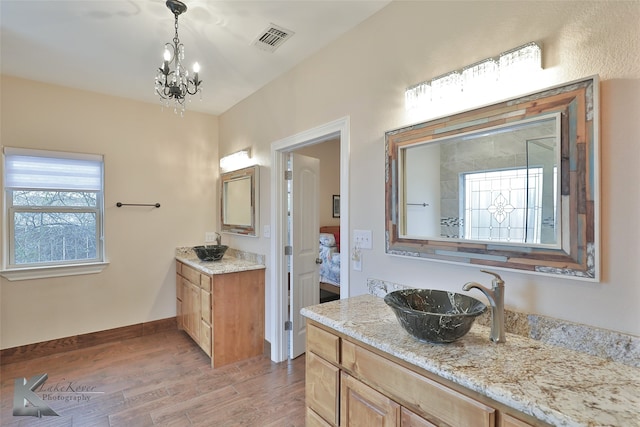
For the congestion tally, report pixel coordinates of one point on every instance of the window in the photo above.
(503, 205)
(54, 208)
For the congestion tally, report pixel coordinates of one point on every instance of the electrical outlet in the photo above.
(210, 236)
(362, 239)
(357, 264)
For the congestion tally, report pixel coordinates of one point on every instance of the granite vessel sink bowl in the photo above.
(434, 315)
(210, 252)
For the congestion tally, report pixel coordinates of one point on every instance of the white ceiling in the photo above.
(115, 46)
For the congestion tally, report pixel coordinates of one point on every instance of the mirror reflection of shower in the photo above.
(540, 155)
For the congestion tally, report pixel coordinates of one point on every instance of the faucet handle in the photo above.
(498, 280)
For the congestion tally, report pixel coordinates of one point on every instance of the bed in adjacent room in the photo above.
(329, 253)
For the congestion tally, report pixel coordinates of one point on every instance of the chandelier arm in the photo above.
(196, 88)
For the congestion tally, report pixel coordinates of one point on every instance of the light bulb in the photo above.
(196, 67)
(167, 54)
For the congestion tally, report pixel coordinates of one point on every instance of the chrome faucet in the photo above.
(496, 301)
(218, 239)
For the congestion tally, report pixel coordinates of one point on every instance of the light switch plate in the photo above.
(362, 239)
(210, 236)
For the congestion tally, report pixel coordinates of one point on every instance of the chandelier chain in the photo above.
(176, 40)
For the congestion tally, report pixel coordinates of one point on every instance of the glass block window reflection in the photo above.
(502, 206)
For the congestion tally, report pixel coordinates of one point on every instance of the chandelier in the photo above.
(176, 84)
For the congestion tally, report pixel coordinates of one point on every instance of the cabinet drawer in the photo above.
(509, 421)
(323, 343)
(427, 398)
(205, 282)
(409, 419)
(322, 388)
(191, 274)
(205, 337)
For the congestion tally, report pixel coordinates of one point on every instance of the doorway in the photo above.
(280, 150)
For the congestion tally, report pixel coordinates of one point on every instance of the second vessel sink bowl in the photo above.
(434, 315)
(210, 252)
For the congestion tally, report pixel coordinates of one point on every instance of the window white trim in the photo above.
(12, 151)
(29, 273)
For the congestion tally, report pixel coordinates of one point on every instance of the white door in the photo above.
(305, 224)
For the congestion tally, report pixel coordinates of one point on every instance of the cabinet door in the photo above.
(179, 314)
(205, 337)
(191, 308)
(314, 420)
(362, 406)
(409, 419)
(205, 306)
(186, 306)
(179, 287)
(322, 387)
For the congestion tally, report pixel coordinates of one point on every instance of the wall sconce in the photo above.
(479, 78)
(237, 160)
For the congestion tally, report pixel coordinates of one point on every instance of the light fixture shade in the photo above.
(480, 77)
(417, 96)
(236, 160)
(520, 61)
(446, 87)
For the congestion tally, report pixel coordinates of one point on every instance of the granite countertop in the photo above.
(559, 386)
(232, 262)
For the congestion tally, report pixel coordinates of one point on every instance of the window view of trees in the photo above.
(53, 226)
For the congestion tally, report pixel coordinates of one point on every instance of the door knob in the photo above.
(318, 261)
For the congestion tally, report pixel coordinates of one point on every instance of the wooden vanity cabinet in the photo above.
(222, 313)
(349, 385)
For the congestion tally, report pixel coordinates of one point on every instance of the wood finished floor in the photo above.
(160, 380)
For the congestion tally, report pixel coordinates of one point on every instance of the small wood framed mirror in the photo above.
(239, 198)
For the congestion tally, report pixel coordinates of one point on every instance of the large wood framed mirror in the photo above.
(239, 200)
(511, 185)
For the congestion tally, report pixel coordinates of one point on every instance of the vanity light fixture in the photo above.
(479, 77)
(176, 84)
(519, 61)
(237, 160)
(414, 95)
(446, 87)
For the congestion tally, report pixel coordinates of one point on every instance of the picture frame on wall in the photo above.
(336, 206)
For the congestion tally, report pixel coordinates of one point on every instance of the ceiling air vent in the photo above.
(272, 38)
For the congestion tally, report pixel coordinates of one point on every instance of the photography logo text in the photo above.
(30, 397)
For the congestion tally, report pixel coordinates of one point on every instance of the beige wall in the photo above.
(329, 155)
(363, 75)
(150, 156)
